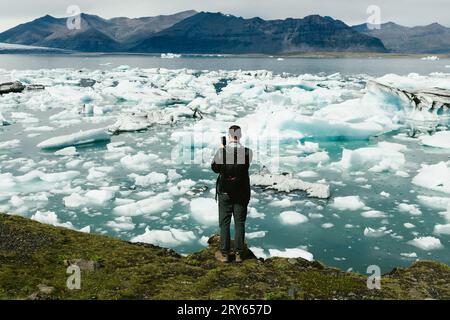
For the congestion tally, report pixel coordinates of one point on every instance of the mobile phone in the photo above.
(224, 141)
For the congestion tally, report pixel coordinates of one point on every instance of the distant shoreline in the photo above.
(306, 55)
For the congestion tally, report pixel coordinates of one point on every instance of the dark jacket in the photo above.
(233, 172)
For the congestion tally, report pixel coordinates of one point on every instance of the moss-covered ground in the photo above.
(34, 259)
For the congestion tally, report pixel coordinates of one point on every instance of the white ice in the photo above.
(351, 203)
(434, 177)
(74, 139)
(439, 139)
(292, 218)
(426, 243)
(204, 211)
(165, 238)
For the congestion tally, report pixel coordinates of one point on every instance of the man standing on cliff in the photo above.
(232, 162)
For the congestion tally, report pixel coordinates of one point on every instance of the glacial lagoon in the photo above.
(390, 193)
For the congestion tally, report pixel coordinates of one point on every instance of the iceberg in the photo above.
(165, 238)
(147, 206)
(292, 218)
(139, 162)
(439, 139)
(49, 217)
(170, 55)
(121, 224)
(383, 157)
(442, 229)
(204, 211)
(425, 104)
(288, 183)
(426, 243)
(75, 139)
(351, 203)
(138, 122)
(36, 181)
(435, 177)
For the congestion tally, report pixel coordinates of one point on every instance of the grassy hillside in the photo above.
(34, 258)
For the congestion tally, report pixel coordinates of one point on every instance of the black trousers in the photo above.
(239, 211)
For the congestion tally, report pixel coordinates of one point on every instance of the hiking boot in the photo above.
(222, 257)
(239, 257)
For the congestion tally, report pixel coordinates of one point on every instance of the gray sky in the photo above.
(406, 12)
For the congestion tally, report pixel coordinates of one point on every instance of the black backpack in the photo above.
(234, 176)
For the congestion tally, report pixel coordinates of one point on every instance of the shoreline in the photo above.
(35, 258)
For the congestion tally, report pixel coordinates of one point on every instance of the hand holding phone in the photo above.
(224, 141)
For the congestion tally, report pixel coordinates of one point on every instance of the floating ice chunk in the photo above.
(254, 214)
(69, 151)
(412, 209)
(385, 194)
(99, 173)
(170, 55)
(90, 198)
(348, 203)
(430, 58)
(373, 214)
(187, 183)
(259, 252)
(375, 233)
(408, 225)
(173, 175)
(11, 144)
(287, 183)
(149, 206)
(442, 229)
(327, 225)
(256, 234)
(204, 211)
(308, 147)
(435, 202)
(281, 203)
(317, 157)
(426, 243)
(315, 215)
(49, 217)
(291, 253)
(86, 229)
(74, 139)
(139, 162)
(121, 224)
(129, 123)
(383, 157)
(203, 241)
(439, 139)
(35, 181)
(409, 255)
(165, 238)
(292, 218)
(151, 178)
(434, 177)
(307, 174)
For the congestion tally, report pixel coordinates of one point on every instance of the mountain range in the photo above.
(433, 38)
(206, 32)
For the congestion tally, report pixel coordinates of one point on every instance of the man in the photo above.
(232, 162)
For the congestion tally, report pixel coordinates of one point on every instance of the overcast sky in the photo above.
(406, 12)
